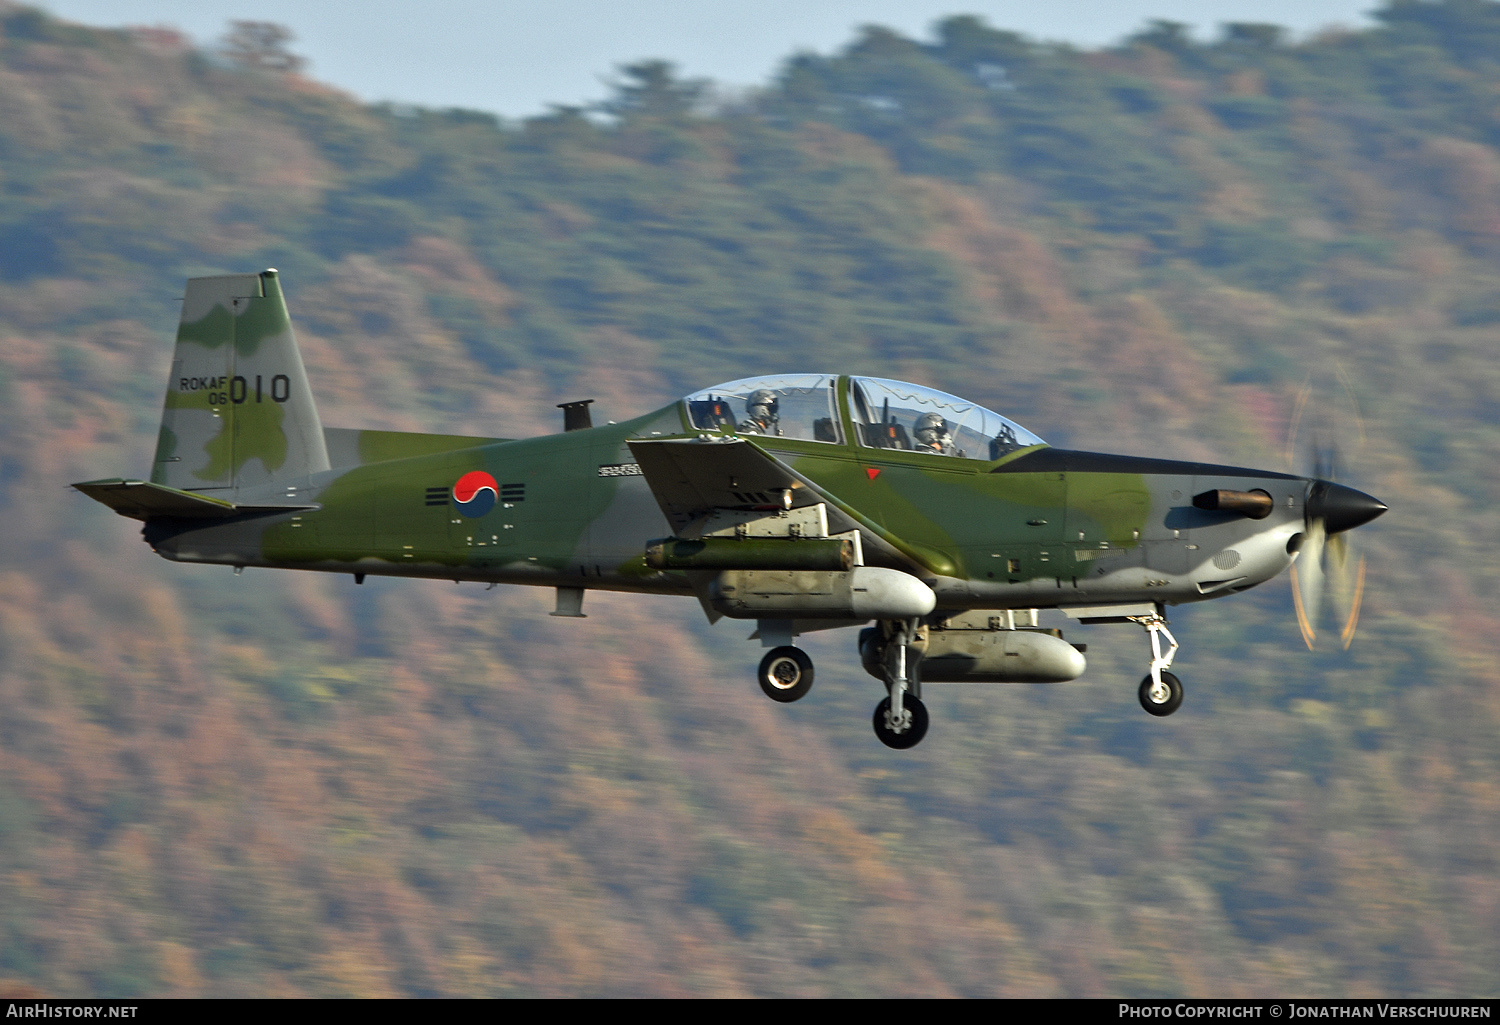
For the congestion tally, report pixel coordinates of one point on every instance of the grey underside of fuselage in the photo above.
(1183, 554)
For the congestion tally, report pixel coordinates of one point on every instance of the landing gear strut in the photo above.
(1160, 692)
(900, 719)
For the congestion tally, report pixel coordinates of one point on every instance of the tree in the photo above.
(1253, 35)
(261, 46)
(1170, 36)
(652, 89)
(1470, 29)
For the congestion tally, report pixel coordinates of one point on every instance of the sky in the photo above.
(517, 58)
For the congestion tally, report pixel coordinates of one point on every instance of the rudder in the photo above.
(239, 412)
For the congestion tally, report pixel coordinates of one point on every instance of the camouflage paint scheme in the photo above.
(246, 475)
(705, 499)
(239, 390)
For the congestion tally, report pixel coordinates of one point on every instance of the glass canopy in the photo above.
(886, 414)
(783, 406)
(897, 415)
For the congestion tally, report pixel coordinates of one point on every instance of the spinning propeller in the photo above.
(1325, 564)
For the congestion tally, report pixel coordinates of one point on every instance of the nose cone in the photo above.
(1341, 508)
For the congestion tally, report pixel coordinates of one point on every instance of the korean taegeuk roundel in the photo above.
(475, 493)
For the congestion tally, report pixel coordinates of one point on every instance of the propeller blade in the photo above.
(1321, 419)
(1347, 637)
(1326, 461)
(1359, 420)
(1302, 624)
(1336, 567)
(1307, 586)
(1296, 422)
(1343, 587)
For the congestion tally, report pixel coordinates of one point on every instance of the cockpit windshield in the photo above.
(911, 418)
(796, 406)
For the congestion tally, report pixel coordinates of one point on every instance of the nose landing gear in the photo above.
(1161, 692)
(1161, 698)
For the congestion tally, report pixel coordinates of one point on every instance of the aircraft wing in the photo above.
(691, 477)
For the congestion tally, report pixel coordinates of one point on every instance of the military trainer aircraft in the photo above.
(800, 501)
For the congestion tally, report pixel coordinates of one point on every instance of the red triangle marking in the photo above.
(872, 472)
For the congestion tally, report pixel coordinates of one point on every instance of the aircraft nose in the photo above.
(1341, 508)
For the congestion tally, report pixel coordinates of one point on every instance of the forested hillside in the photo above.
(285, 784)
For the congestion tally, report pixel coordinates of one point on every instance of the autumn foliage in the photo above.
(284, 784)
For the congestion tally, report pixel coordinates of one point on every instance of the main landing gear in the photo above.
(786, 673)
(903, 728)
(900, 719)
(892, 650)
(1160, 692)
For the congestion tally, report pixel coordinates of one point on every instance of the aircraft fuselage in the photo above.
(1041, 527)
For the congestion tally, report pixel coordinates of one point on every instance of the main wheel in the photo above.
(912, 730)
(1170, 703)
(786, 673)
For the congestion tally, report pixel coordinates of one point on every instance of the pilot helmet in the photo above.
(762, 405)
(931, 429)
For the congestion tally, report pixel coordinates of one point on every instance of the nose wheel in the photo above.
(1161, 697)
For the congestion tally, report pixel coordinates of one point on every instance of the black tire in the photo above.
(1174, 698)
(914, 732)
(786, 673)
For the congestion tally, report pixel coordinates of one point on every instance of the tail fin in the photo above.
(239, 411)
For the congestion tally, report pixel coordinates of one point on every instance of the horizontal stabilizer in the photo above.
(142, 500)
